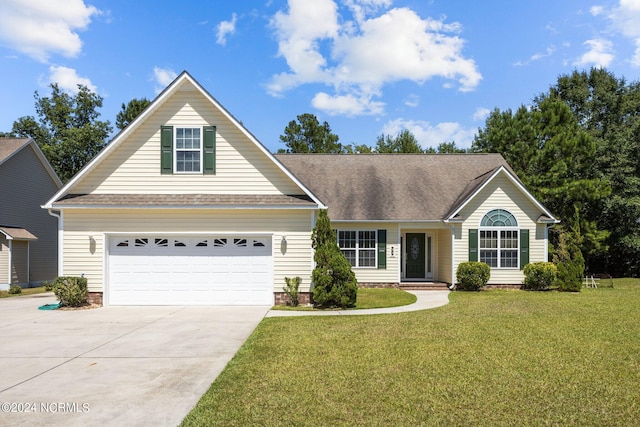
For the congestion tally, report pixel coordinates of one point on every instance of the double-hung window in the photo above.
(499, 239)
(188, 150)
(358, 246)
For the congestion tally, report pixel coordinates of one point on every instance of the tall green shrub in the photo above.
(473, 275)
(334, 283)
(569, 260)
(540, 276)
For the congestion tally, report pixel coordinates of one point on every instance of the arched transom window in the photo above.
(499, 239)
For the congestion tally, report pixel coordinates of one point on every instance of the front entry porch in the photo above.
(417, 256)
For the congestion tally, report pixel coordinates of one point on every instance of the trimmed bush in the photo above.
(15, 289)
(472, 275)
(71, 291)
(291, 289)
(539, 276)
(334, 283)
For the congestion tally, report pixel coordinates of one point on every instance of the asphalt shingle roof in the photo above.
(8, 146)
(392, 187)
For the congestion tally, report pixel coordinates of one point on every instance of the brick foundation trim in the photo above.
(281, 298)
(378, 285)
(95, 298)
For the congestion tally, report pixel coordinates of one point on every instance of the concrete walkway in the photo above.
(426, 300)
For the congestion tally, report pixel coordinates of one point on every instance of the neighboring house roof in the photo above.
(9, 147)
(182, 200)
(183, 79)
(17, 233)
(397, 187)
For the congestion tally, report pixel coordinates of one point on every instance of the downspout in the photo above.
(60, 241)
(28, 264)
(453, 246)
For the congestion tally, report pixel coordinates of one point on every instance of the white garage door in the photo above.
(206, 270)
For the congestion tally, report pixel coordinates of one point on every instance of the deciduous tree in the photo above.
(67, 130)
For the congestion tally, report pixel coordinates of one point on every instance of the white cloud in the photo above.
(429, 135)
(599, 53)
(412, 101)
(596, 10)
(550, 51)
(481, 113)
(357, 58)
(625, 18)
(348, 105)
(68, 79)
(163, 77)
(40, 29)
(226, 28)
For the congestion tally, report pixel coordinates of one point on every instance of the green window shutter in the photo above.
(524, 248)
(209, 149)
(382, 249)
(166, 149)
(473, 244)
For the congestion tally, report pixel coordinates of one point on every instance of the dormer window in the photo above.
(188, 150)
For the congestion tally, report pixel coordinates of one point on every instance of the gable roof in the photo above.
(9, 147)
(180, 82)
(476, 185)
(397, 187)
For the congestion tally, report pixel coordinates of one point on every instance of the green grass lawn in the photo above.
(369, 298)
(487, 358)
(26, 291)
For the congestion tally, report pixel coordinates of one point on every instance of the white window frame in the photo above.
(499, 244)
(357, 249)
(176, 149)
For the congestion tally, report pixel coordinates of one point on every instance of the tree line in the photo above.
(307, 135)
(576, 147)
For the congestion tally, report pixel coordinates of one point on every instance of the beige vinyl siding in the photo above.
(4, 261)
(501, 193)
(371, 274)
(443, 256)
(86, 256)
(134, 166)
(26, 185)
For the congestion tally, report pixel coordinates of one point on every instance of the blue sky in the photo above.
(368, 67)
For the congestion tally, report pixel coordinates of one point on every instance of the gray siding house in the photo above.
(28, 234)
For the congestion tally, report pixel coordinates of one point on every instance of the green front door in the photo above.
(415, 256)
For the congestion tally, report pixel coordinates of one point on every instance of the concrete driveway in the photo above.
(112, 365)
